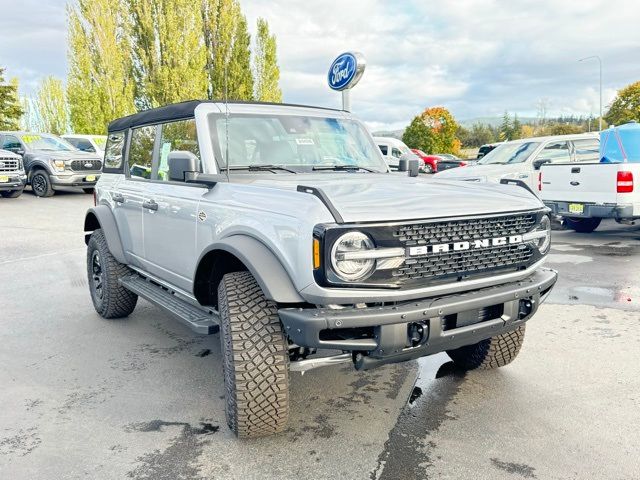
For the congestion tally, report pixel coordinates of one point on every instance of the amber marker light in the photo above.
(316, 253)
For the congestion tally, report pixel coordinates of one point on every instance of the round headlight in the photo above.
(543, 243)
(344, 265)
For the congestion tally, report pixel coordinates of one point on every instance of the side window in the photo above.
(11, 143)
(555, 152)
(85, 145)
(141, 151)
(383, 149)
(177, 136)
(114, 151)
(396, 153)
(587, 150)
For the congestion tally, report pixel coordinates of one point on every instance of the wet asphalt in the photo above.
(142, 398)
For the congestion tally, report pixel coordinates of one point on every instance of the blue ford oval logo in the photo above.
(346, 70)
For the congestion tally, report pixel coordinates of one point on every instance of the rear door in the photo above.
(170, 210)
(558, 151)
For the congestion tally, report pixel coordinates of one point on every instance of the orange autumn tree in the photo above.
(433, 131)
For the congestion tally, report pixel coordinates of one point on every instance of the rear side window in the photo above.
(383, 149)
(555, 152)
(114, 153)
(587, 150)
(177, 136)
(141, 151)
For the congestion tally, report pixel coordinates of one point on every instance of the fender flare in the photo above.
(102, 217)
(263, 265)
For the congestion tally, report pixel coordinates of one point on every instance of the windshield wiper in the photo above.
(344, 167)
(262, 168)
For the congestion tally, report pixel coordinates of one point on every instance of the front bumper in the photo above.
(386, 334)
(75, 179)
(591, 210)
(16, 182)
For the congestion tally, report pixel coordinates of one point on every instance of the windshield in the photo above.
(295, 142)
(100, 141)
(509, 153)
(46, 142)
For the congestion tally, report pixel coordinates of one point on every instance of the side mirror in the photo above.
(538, 163)
(16, 150)
(180, 162)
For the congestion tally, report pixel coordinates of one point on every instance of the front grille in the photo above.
(464, 263)
(80, 165)
(8, 165)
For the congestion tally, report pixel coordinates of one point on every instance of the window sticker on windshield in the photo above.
(305, 141)
(31, 138)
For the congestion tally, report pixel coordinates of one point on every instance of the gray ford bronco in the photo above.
(12, 176)
(281, 227)
(51, 162)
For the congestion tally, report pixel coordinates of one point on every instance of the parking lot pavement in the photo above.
(141, 398)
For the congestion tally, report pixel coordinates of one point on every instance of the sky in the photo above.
(476, 58)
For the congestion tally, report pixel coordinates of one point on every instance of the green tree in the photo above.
(228, 56)
(433, 131)
(168, 51)
(505, 127)
(267, 72)
(516, 128)
(100, 85)
(51, 105)
(10, 108)
(479, 134)
(626, 106)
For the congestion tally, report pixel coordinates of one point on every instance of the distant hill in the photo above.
(389, 133)
(493, 121)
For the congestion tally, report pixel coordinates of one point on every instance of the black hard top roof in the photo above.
(177, 111)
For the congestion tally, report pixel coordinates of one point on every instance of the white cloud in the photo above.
(475, 57)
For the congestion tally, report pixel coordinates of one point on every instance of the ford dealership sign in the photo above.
(346, 70)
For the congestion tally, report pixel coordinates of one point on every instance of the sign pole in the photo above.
(346, 100)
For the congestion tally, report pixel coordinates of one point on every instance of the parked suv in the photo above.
(12, 176)
(282, 226)
(51, 162)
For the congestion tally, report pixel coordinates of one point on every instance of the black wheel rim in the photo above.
(38, 183)
(97, 276)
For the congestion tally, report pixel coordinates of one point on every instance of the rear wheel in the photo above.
(582, 225)
(256, 358)
(11, 193)
(110, 299)
(41, 184)
(491, 353)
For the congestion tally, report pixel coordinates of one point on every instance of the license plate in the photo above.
(576, 208)
(91, 178)
(4, 179)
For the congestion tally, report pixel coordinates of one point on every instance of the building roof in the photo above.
(178, 111)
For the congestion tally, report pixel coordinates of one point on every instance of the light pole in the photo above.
(597, 57)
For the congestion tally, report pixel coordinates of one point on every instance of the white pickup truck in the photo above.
(585, 193)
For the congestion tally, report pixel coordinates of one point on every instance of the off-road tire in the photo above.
(491, 353)
(114, 301)
(41, 184)
(88, 190)
(255, 358)
(582, 225)
(11, 193)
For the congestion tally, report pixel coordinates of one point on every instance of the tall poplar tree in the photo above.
(228, 50)
(168, 51)
(100, 87)
(10, 109)
(267, 72)
(51, 104)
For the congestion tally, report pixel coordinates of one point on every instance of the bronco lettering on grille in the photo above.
(461, 246)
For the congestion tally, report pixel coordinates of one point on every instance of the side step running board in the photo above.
(198, 319)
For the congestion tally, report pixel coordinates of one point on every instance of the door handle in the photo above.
(118, 197)
(150, 204)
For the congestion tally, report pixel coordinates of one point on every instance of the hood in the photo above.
(482, 172)
(384, 197)
(60, 155)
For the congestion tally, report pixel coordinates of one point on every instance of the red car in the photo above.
(438, 163)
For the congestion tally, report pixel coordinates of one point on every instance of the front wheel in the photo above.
(255, 358)
(582, 225)
(491, 353)
(427, 168)
(11, 193)
(41, 184)
(110, 299)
